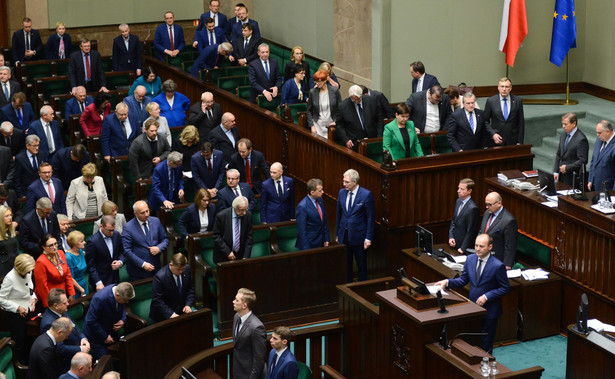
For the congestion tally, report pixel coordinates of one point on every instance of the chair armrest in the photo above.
(133, 323)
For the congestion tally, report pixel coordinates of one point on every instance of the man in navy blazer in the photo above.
(26, 50)
(44, 127)
(168, 183)
(7, 86)
(354, 223)
(77, 70)
(105, 254)
(464, 224)
(112, 130)
(602, 168)
(226, 246)
(501, 225)
(31, 228)
(572, 151)
(488, 283)
(211, 57)
(127, 51)
(43, 363)
(511, 127)
(137, 103)
(281, 364)
(40, 188)
(162, 39)
(235, 189)
(417, 71)
(13, 138)
(106, 316)
(245, 53)
(277, 197)
(68, 162)
(417, 102)
(264, 75)
(312, 226)
(26, 171)
(172, 290)
(219, 19)
(78, 103)
(207, 36)
(465, 136)
(19, 112)
(247, 157)
(144, 241)
(243, 17)
(208, 168)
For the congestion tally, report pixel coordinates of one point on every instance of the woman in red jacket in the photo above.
(51, 270)
(92, 117)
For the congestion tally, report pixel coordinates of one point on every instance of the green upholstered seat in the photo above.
(374, 151)
(230, 83)
(6, 360)
(107, 64)
(294, 110)
(216, 73)
(38, 70)
(62, 66)
(442, 144)
(237, 71)
(287, 238)
(186, 66)
(142, 301)
(304, 371)
(207, 250)
(124, 273)
(261, 242)
(118, 81)
(77, 313)
(54, 86)
(425, 142)
(268, 105)
(244, 92)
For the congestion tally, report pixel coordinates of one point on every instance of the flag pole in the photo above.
(568, 101)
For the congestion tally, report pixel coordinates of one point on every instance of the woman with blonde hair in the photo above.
(75, 258)
(110, 208)
(331, 78)
(59, 44)
(297, 56)
(153, 109)
(9, 245)
(187, 144)
(86, 194)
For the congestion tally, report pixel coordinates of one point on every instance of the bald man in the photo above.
(501, 225)
(277, 196)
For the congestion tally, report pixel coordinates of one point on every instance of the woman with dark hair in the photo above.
(198, 217)
(297, 56)
(295, 90)
(173, 105)
(51, 270)
(322, 105)
(399, 136)
(94, 114)
(187, 144)
(148, 79)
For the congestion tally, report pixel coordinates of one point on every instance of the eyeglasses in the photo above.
(490, 204)
(55, 244)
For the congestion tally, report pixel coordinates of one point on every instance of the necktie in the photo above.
(211, 38)
(566, 141)
(361, 117)
(7, 94)
(49, 136)
(215, 21)
(238, 326)
(88, 71)
(34, 165)
(44, 225)
(603, 145)
(471, 121)
(280, 192)
(505, 108)
(81, 106)
(124, 128)
(179, 284)
(275, 361)
(211, 171)
(237, 236)
(209, 114)
(19, 116)
(50, 189)
(147, 234)
(319, 210)
(61, 50)
(267, 69)
(349, 205)
(171, 183)
(65, 243)
(236, 192)
(8, 141)
(27, 41)
(171, 37)
(245, 45)
(478, 269)
(248, 172)
(488, 223)
(460, 208)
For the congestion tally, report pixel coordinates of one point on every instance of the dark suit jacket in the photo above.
(313, 105)
(65, 168)
(112, 131)
(44, 360)
(52, 47)
(359, 221)
(493, 283)
(385, 107)
(202, 37)
(36, 127)
(99, 259)
(76, 70)
(275, 208)
(72, 106)
(286, 366)
(18, 46)
(7, 166)
(349, 124)
(221, 142)
(200, 172)
(36, 191)
(250, 348)
(512, 129)
(31, 232)
(460, 134)
(127, 60)
(135, 110)
(8, 113)
(199, 119)
(250, 53)
(503, 230)
(140, 156)
(312, 232)
(25, 174)
(258, 165)
(208, 58)
(166, 298)
(574, 156)
(223, 236)
(259, 80)
(14, 87)
(136, 247)
(162, 41)
(236, 30)
(70, 346)
(160, 185)
(18, 141)
(428, 82)
(290, 92)
(226, 197)
(222, 21)
(189, 222)
(417, 102)
(463, 226)
(104, 311)
(602, 167)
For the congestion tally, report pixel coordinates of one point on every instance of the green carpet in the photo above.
(550, 353)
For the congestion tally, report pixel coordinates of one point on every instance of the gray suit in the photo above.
(574, 156)
(140, 156)
(503, 230)
(313, 107)
(250, 348)
(417, 102)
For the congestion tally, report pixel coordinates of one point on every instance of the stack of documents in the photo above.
(599, 326)
(535, 274)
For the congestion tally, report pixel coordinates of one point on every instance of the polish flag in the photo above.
(514, 29)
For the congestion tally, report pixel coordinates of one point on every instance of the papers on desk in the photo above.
(434, 290)
(535, 274)
(188, 174)
(603, 210)
(513, 273)
(460, 258)
(600, 326)
(453, 265)
(550, 204)
(565, 192)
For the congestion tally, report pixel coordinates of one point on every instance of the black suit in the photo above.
(512, 129)
(428, 82)
(99, 259)
(258, 165)
(25, 173)
(65, 168)
(417, 102)
(31, 232)
(44, 360)
(18, 46)
(127, 60)
(503, 230)
(463, 225)
(574, 156)
(349, 125)
(17, 141)
(7, 167)
(250, 53)
(76, 71)
(203, 123)
(259, 80)
(385, 107)
(166, 298)
(223, 236)
(460, 135)
(221, 142)
(14, 87)
(190, 222)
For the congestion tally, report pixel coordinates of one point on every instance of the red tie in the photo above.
(171, 38)
(319, 211)
(209, 167)
(87, 66)
(51, 197)
(488, 223)
(248, 173)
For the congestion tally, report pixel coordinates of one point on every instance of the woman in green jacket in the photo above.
(399, 136)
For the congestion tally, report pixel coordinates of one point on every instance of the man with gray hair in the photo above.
(205, 115)
(35, 224)
(137, 103)
(48, 130)
(168, 183)
(13, 138)
(43, 362)
(111, 375)
(26, 164)
(78, 103)
(127, 51)
(602, 168)
(7, 86)
(468, 128)
(264, 75)
(233, 232)
(354, 223)
(105, 254)
(234, 189)
(119, 130)
(211, 57)
(80, 366)
(359, 117)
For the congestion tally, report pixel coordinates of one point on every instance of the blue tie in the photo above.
(471, 121)
(44, 226)
(148, 236)
(275, 361)
(566, 141)
(245, 47)
(20, 118)
(6, 91)
(171, 184)
(505, 109)
(267, 69)
(179, 284)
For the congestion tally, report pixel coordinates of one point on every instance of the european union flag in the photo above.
(564, 31)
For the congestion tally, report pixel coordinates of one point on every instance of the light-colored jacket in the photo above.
(15, 291)
(77, 197)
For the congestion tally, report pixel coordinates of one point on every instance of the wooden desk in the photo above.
(591, 356)
(540, 305)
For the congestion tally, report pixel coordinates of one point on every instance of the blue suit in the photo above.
(312, 232)
(31, 231)
(222, 21)
(25, 174)
(258, 77)
(166, 298)
(135, 109)
(290, 92)
(112, 131)
(275, 208)
(428, 82)
(8, 113)
(162, 41)
(200, 172)
(209, 57)
(99, 259)
(69, 346)
(493, 283)
(136, 247)
(354, 226)
(36, 191)
(602, 167)
(52, 48)
(127, 60)
(236, 30)
(226, 197)
(202, 37)
(72, 106)
(36, 127)
(161, 186)
(286, 366)
(65, 168)
(189, 222)
(104, 311)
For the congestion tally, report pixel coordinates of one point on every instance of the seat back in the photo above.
(140, 304)
(237, 71)
(442, 144)
(261, 241)
(268, 105)
(230, 83)
(304, 371)
(6, 358)
(244, 92)
(294, 111)
(285, 236)
(425, 141)
(119, 80)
